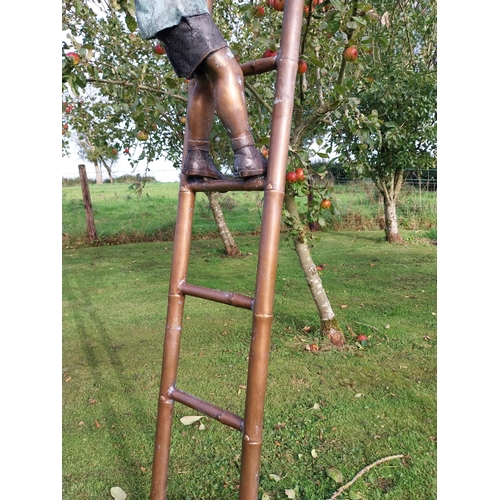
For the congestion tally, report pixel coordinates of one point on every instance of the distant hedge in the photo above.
(124, 179)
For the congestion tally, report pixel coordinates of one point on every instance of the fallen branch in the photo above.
(369, 326)
(373, 328)
(361, 472)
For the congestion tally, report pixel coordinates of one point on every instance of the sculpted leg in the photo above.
(200, 115)
(226, 77)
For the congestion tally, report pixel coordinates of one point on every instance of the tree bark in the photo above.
(390, 192)
(108, 169)
(313, 225)
(230, 245)
(391, 222)
(98, 173)
(329, 324)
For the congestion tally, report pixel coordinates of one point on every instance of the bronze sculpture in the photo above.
(197, 51)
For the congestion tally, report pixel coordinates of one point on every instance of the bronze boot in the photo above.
(198, 163)
(248, 160)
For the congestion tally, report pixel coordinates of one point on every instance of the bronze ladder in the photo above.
(261, 304)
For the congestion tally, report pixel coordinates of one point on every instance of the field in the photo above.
(123, 214)
(327, 414)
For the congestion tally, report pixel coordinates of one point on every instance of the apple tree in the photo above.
(144, 99)
(394, 125)
(122, 91)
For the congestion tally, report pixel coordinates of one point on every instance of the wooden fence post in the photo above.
(91, 232)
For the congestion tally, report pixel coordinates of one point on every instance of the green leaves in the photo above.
(130, 22)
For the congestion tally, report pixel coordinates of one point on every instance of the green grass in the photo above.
(373, 402)
(121, 215)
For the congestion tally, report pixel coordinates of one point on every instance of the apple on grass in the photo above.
(362, 339)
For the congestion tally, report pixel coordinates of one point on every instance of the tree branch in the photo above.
(261, 101)
(361, 472)
(124, 83)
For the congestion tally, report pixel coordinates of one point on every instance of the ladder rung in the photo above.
(259, 66)
(223, 186)
(229, 298)
(223, 416)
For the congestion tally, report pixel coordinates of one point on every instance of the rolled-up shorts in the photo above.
(190, 42)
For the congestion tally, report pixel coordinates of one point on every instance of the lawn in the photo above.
(324, 411)
(122, 215)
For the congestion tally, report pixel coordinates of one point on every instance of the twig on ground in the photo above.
(369, 326)
(361, 472)
(373, 328)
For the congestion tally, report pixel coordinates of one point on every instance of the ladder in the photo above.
(261, 305)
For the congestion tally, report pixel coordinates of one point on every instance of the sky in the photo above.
(162, 170)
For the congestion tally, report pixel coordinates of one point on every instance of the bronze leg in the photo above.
(200, 116)
(227, 80)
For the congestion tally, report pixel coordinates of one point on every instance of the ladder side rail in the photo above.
(173, 329)
(268, 250)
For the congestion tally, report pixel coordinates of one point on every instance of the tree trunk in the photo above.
(329, 324)
(313, 225)
(390, 192)
(391, 222)
(98, 173)
(230, 245)
(108, 169)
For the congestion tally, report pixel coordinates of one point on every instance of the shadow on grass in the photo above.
(131, 472)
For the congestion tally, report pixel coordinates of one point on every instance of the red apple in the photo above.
(278, 5)
(269, 53)
(259, 11)
(325, 203)
(351, 54)
(160, 49)
(126, 151)
(291, 177)
(142, 135)
(74, 57)
(362, 339)
(302, 67)
(300, 174)
(264, 151)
